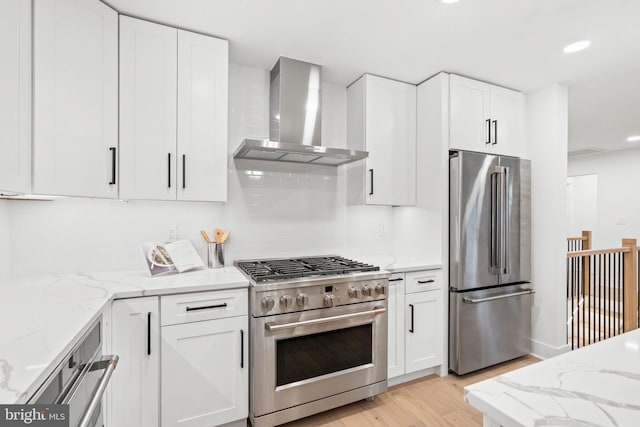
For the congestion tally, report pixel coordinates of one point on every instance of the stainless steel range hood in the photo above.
(295, 120)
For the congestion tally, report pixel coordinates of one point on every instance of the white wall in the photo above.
(618, 207)
(5, 231)
(547, 136)
(582, 203)
(273, 209)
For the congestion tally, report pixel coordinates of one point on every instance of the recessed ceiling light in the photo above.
(577, 46)
(449, 1)
(634, 138)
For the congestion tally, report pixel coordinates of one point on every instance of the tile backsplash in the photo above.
(273, 209)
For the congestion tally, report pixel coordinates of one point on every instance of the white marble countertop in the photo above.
(41, 317)
(394, 264)
(598, 385)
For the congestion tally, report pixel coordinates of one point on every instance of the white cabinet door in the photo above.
(205, 372)
(424, 330)
(135, 393)
(203, 69)
(507, 110)
(390, 133)
(148, 79)
(469, 106)
(395, 353)
(15, 101)
(75, 98)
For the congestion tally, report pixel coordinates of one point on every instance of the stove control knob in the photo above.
(381, 289)
(329, 300)
(303, 299)
(268, 303)
(354, 292)
(286, 301)
(367, 290)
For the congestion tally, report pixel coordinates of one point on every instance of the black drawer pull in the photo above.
(113, 165)
(411, 327)
(241, 348)
(169, 170)
(398, 279)
(148, 333)
(206, 307)
(495, 132)
(371, 173)
(184, 171)
(422, 282)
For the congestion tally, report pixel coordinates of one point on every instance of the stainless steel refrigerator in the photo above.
(490, 295)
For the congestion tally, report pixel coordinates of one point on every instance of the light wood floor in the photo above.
(430, 401)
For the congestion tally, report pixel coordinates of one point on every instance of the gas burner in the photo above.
(292, 268)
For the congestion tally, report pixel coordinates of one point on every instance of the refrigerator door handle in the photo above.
(467, 300)
(504, 223)
(496, 221)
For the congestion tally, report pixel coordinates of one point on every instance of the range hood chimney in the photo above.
(295, 120)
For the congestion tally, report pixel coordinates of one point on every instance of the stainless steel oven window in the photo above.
(310, 356)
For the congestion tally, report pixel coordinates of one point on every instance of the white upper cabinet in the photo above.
(508, 112)
(148, 76)
(203, 82)
(381, 119)
(486, 118)
(75, 98)
(173, 113)
(15, 101)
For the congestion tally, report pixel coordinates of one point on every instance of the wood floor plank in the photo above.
(430, 401)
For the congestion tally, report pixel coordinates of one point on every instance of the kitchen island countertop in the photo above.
(598, 385)
(43, 316)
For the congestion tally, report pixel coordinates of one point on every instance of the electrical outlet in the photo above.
(172, 234)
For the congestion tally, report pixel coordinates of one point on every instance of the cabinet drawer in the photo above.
(419, 281)
(194, 307)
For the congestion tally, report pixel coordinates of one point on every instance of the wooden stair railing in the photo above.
(602, 292)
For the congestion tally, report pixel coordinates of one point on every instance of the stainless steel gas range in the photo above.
(318, 335)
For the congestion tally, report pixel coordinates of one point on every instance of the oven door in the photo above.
(306, 356)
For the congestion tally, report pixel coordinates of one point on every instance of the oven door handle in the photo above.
(273, 327)
(108, 363)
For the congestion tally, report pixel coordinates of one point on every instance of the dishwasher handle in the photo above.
(272, 327)
(497, 297)
(108, 363)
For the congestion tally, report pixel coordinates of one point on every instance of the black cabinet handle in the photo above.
(397, 279)
(206, 307)
(169, 170)
(184, 168)
(422, 282)
(371, 175)
(148, 333)
(241, 348)
(113, 165)
(411, 328)
(488, 123)
(495, 132)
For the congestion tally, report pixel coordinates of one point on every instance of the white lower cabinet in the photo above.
(204, 371)
(416, 323)
(424, 326)
(135, 337)
(395, 354)
(183, 360)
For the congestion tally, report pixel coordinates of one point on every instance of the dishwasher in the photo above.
(80, 380)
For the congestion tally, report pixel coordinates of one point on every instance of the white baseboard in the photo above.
(413, 376)
(543, 350)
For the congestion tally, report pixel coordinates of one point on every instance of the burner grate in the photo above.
(292, 268)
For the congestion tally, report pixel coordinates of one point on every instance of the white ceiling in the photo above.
(514, 43)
